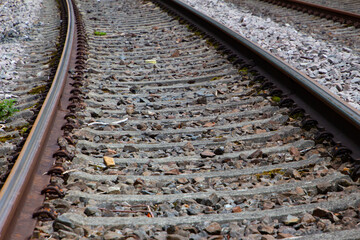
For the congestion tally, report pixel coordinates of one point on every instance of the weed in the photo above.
(276, 99)
(7, 108)
(23, 130)
(97, 33)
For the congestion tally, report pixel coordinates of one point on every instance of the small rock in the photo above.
(211, 200)
(114, 190)
(109, 161)
(130, 149)
(182, 180)
(175, 237)
(141, 126)
(323, 213)
(91, 211)
(268, 205)
(213, 229)
(209, 124)
(350, 213)
(62, 219)
(193, 211)
(284, 235)
(199, 179)
(96, 113)
(139, 181)
(219, 151)
(66, 234)
(188, 147)
(291, 220)
(236, 209)
(325, 187)
(176, 53)
(207, 154)
(294, 152)
(172, 229)
(148, 113)
(323, 71)
(173, 172)
(113, 236)
(265, 229)
(256, 154)
(201, 100)
(308, 218)
(134, 89)
(299, 191)
(267, 237)
(293, 173)
(130, 110)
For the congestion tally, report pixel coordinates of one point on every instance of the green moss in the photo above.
(271, 173)
(298, 115)
(23, 130)
(38, 89)
(211, 43)
(215, 78)
(33, 106)
(199, 34)
(276, 99)
(243, 70)
(6, 138)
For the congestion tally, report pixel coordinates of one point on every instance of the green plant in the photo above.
(7, 108)
(97, 33)
(276, 98)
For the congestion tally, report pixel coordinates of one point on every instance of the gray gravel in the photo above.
(17, 20)
(335, 67)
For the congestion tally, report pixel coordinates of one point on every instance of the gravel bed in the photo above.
(333, 66)
(17, 22)
(28, 37)
(174, 142)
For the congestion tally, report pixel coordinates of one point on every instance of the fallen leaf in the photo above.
(109, 161)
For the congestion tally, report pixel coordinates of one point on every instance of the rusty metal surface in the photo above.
(22, 189)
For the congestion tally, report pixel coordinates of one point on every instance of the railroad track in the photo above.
(347, 5)
(170, 133)
(308, 20)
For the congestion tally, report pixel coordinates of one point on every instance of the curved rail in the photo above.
(329, 110)
(15, 187)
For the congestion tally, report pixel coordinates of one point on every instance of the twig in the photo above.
(112, 123)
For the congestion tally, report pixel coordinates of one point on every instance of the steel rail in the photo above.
(330, 111)
(15, 187)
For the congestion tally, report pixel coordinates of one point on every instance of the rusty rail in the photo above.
(16, 188)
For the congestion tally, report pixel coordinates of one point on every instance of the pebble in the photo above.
(213, 228)
(308, 218)
(291, 220)
(207, 154)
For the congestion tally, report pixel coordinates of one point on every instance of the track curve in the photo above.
(169, 135)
